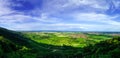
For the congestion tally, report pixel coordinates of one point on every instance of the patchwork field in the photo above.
(74, 39)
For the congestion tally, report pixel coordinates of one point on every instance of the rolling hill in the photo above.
(16, 45)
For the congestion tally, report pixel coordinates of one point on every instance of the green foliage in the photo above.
(51, 45)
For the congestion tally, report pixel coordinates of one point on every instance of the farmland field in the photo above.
(74, 39)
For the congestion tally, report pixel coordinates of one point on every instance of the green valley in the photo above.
(59, 44)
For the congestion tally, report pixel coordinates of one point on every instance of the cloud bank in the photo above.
(70, 15)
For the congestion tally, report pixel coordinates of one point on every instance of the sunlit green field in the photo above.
(74, 39)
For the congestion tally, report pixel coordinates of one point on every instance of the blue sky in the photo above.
(70, 15)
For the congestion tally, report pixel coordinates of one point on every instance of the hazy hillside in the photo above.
(39, 45)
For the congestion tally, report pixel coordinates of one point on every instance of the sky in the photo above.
(62, 15)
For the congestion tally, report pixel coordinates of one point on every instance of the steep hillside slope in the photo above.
(13, 36)
(13, 44)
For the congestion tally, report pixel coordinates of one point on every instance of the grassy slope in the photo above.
(14, 45)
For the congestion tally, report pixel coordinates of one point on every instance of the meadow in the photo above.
(74, 39)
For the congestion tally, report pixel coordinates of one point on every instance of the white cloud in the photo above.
(24, 18)
(83, 5)
(4, 7)
(91, 3)
(59, 23)
(14, 18)
(96, 17)
(63, 26)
